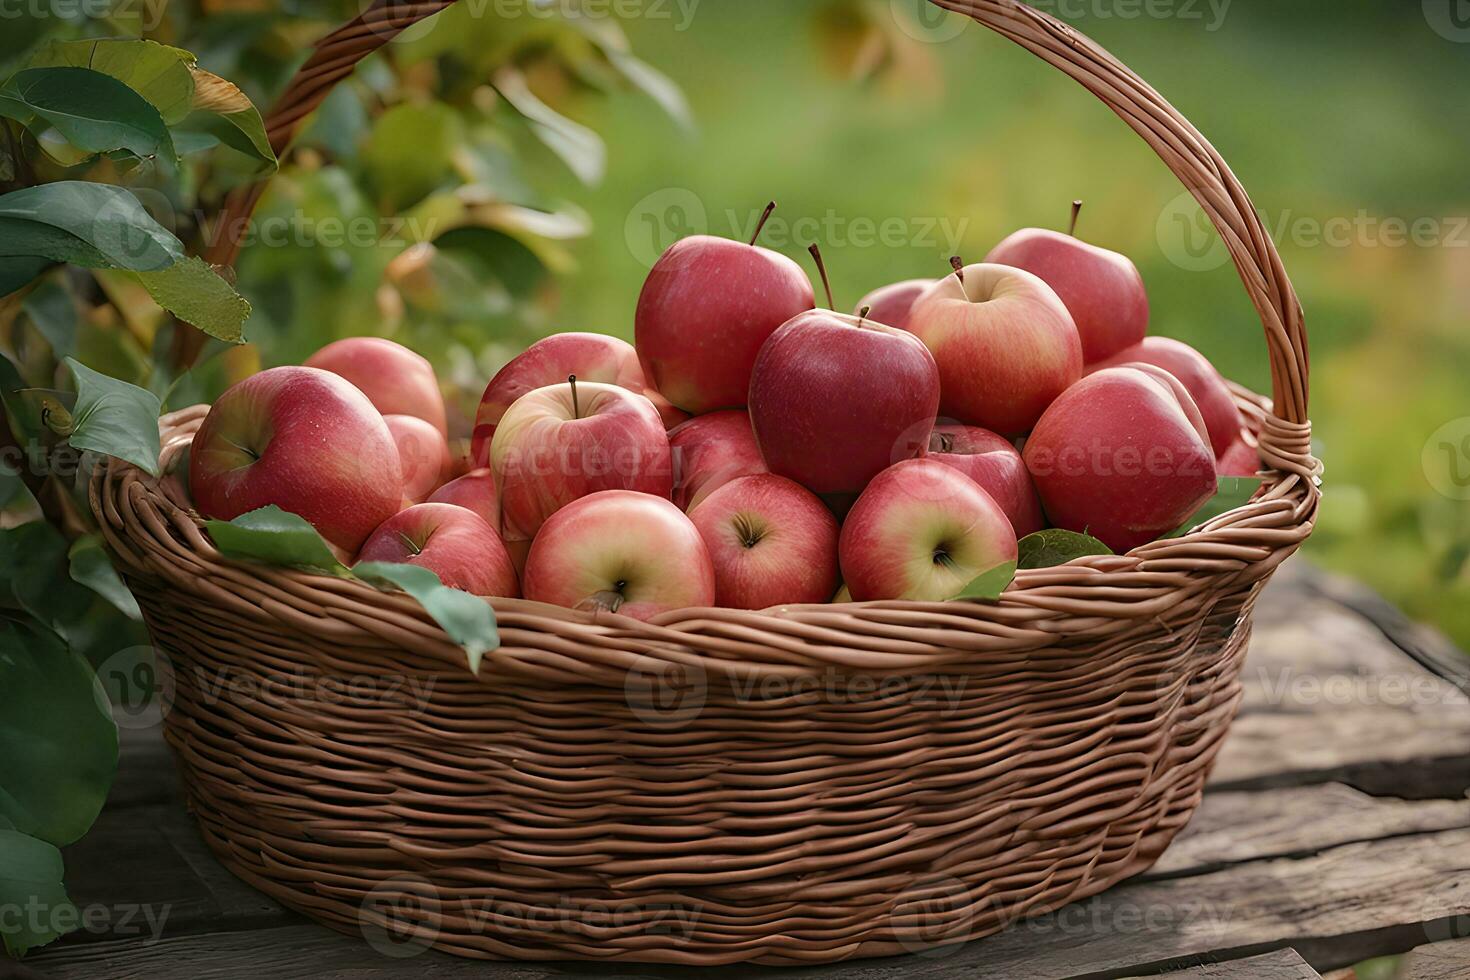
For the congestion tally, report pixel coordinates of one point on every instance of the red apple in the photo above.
(1208, 389)
(423, 456)
(710, 451)
(620, 551)
(771, 542)
(1101, 289)
(565, 441)
(1123, 455)
(891, 304)
(922, 531)
(475, 491)
(996, 466)
(1004, 343)
(1240, 459)
(451, 542)
(304, 440)
(835, 400)
(396, 380)
(551, 360)
(705, 310)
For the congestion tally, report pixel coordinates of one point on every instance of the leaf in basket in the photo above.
(1055, 546)
(115, 418)
(989, 585)
(1233, 492)
(467, 619)
(30, 878)
(276, 537)
(58, 742)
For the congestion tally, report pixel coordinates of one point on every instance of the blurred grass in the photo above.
(1322, 117)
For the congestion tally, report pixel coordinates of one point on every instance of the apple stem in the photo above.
(863, 314)
(822, 271)
(762, 223)
(1076, 210)
(576, 410)
(958, 265)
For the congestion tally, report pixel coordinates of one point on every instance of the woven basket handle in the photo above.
(1286, 437)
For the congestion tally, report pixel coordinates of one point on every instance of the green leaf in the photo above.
(115, 418)
(276, 537)
(989, 585)
(53, 313)
(656, 85)
(196, 294)
(30, 880)
(58, 742)
(34, 575)
(91, 566)
(1232, 492)
(94, 111)
(469, 621)
(19, 270)
(1054, 546)
(242, 131)
(87, 224)
(579, 148)
(161, 74)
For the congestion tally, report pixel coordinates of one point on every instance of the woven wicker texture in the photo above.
(798, 785)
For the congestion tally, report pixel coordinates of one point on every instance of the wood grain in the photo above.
(1449, 960)
(1283, 964)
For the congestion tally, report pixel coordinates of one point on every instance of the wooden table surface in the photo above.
(1336, 828)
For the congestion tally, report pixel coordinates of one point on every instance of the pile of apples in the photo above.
(753, 450)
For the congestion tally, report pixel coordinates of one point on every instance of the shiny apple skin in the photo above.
(450, 541)
(395, 379)
(835, 400)
(705, 310)
(303, 439)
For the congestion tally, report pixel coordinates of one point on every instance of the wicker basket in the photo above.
(799, 785)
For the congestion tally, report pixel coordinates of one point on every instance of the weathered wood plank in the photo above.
(1283, 964)
(1329, 698)
(1337, 907)
(1232, 828)
(1448, 960)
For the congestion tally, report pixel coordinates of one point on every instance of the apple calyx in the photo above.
(822, 271)
(576, 409)
(747, 532)
(1076, 210)
(958, 265)
(762, 222)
